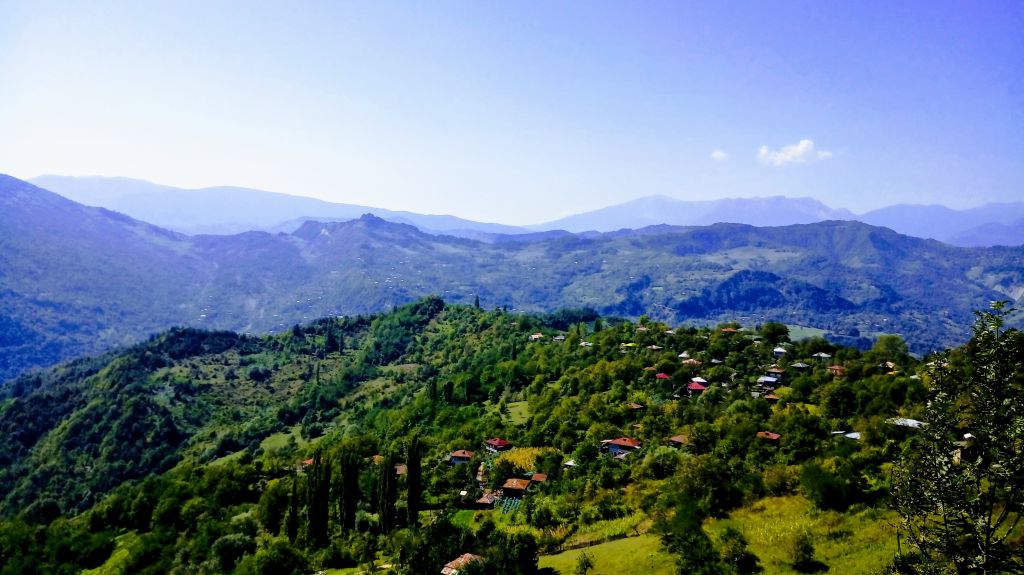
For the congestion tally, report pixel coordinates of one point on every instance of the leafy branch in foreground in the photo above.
(959, 486)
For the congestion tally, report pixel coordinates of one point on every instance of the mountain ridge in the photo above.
(69, 288)
(204, 211)
(199, 211)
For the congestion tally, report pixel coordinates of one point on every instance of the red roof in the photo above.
(463, 453)
(679, 439)
(539, 478)
(497, 442)
(516, 483)
(662, 376)
(307, 462)
(729, 330)
(623, 442)
(696, 386)
(768, 435)
(488, 498)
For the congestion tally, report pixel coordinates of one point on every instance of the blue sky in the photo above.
(523, 112)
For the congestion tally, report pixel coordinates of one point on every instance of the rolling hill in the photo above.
(77, 280)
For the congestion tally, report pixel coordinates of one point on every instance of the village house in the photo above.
(497, 444)
(515, 487)
(779, 352)
(905, 422)
(621, 446)
(487, 500)
(768, 435)
(460, 456)
(837, 370)
(536, 336)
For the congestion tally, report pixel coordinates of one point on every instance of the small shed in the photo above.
(677, 441)
(454, 566)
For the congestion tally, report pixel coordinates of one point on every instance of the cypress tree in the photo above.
(387, 492)
(414, 479)
(346, 486)
(318, 501)
(292, 524)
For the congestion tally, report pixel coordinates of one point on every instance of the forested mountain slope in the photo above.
(76, 280)
(338, 443)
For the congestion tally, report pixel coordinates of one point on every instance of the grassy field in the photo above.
(279, 440)
(853, 543)
(518, 412)
(641, 554)
(850, 543)
(798, 332)
(115, 564)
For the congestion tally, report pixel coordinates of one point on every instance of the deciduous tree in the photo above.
(960, 486)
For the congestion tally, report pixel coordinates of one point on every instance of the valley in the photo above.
(81, 280)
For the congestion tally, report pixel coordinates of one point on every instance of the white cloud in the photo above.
(719, 156)
(798, 153)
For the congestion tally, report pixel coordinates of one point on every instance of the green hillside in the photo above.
(336, 445)
(77, 280)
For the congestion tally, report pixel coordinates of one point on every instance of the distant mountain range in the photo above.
(231, 210)
(77, 280)
(654, 210)
(988, 225)
(228, 210)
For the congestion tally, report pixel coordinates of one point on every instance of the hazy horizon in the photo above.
(524, 114)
